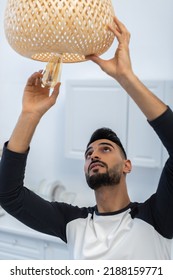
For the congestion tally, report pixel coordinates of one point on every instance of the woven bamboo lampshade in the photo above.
(73, 28)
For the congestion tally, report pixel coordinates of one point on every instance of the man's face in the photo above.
(103, 164)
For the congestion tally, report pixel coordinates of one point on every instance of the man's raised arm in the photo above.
(120, 68)
(36, 102)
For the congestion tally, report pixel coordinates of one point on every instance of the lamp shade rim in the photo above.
(36, 29)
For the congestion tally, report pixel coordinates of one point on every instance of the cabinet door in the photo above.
(55, 251)
(18, 247)
(91, 105)
(144, 147)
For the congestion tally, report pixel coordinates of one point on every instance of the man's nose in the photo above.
(95, 156)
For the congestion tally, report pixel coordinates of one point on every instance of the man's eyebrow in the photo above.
(106, 143)
(100, 144)
(89, 148)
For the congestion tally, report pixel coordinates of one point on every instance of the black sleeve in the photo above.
(162, 201)
(25, 205)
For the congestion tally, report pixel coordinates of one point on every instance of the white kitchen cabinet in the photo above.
(17, 246)
(143, 146)
(92, 104)
(18, 242)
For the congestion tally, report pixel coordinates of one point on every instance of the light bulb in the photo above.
(52, 72)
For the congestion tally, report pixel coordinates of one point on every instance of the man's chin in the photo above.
(96, 180)
(95, 172)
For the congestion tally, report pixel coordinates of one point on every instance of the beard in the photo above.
(110, 178)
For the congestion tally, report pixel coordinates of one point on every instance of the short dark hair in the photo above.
(107, 133)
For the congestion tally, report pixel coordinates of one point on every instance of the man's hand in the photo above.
(36, 99)
(120, 64)
(36, 102)
(119, 67)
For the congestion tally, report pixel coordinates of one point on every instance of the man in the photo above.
(115, 228)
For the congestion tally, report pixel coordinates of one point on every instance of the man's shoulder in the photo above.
(72, 212)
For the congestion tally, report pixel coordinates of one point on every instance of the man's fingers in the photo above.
(34, 79)
(115, 30)
(55, 92)
(95, 59)
(120, 25)
(119, 30)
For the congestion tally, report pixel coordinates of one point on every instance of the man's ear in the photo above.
(127, 166)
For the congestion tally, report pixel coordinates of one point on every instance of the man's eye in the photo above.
(106, 149)
(87, 156)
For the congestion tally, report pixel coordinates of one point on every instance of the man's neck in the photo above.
(111, 198)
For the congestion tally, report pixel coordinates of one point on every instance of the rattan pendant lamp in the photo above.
(58, 30)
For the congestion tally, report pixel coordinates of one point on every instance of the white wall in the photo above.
(150, 24)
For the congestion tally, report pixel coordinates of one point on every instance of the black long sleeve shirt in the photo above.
(139, 231)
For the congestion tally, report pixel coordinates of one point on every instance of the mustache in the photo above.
(97, 162)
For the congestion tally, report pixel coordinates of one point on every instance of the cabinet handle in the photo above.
(46, 245)
(15, 242)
